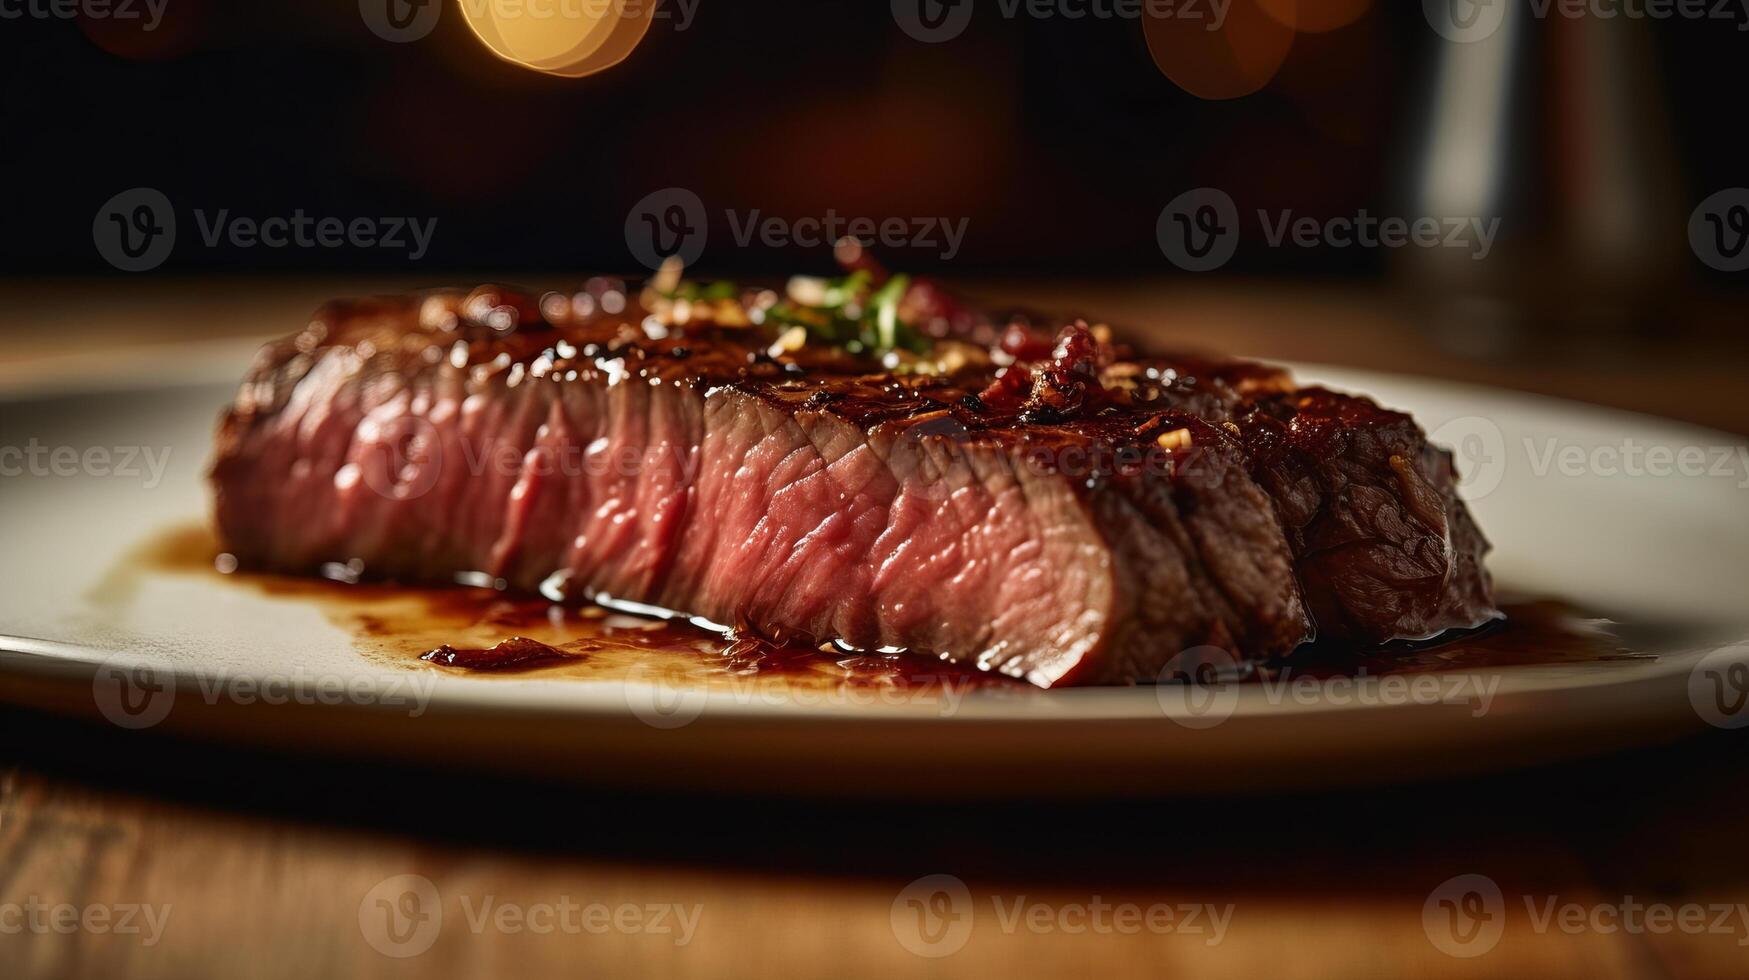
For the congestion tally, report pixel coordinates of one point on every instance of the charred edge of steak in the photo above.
(1053, 506)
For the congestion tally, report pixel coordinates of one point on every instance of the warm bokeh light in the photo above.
(572, 38)
(159, 33)
(1235, 59)
(1315, 16)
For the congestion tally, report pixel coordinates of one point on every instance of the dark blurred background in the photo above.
(1606, 146)
(1059, 139)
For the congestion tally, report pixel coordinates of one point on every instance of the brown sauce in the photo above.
(490, 633)
(1534, 632)
(516, 653)
(485, 631)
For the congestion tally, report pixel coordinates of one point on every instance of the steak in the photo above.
(865, 462)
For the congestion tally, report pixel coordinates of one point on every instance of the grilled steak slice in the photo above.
(1069, 514)
(1384, 548)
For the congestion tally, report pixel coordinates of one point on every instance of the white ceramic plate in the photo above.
(1642, 518)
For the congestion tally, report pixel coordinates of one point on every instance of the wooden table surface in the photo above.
(140, 855)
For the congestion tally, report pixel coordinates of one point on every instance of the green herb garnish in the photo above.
(694, 292)
(848, 311)
(848, 314)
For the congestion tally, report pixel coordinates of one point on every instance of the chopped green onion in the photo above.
(886, 306)
(842, 312)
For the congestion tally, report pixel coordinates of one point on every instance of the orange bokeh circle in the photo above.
(1218, 59)
(1315, 16)
(572, 38)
